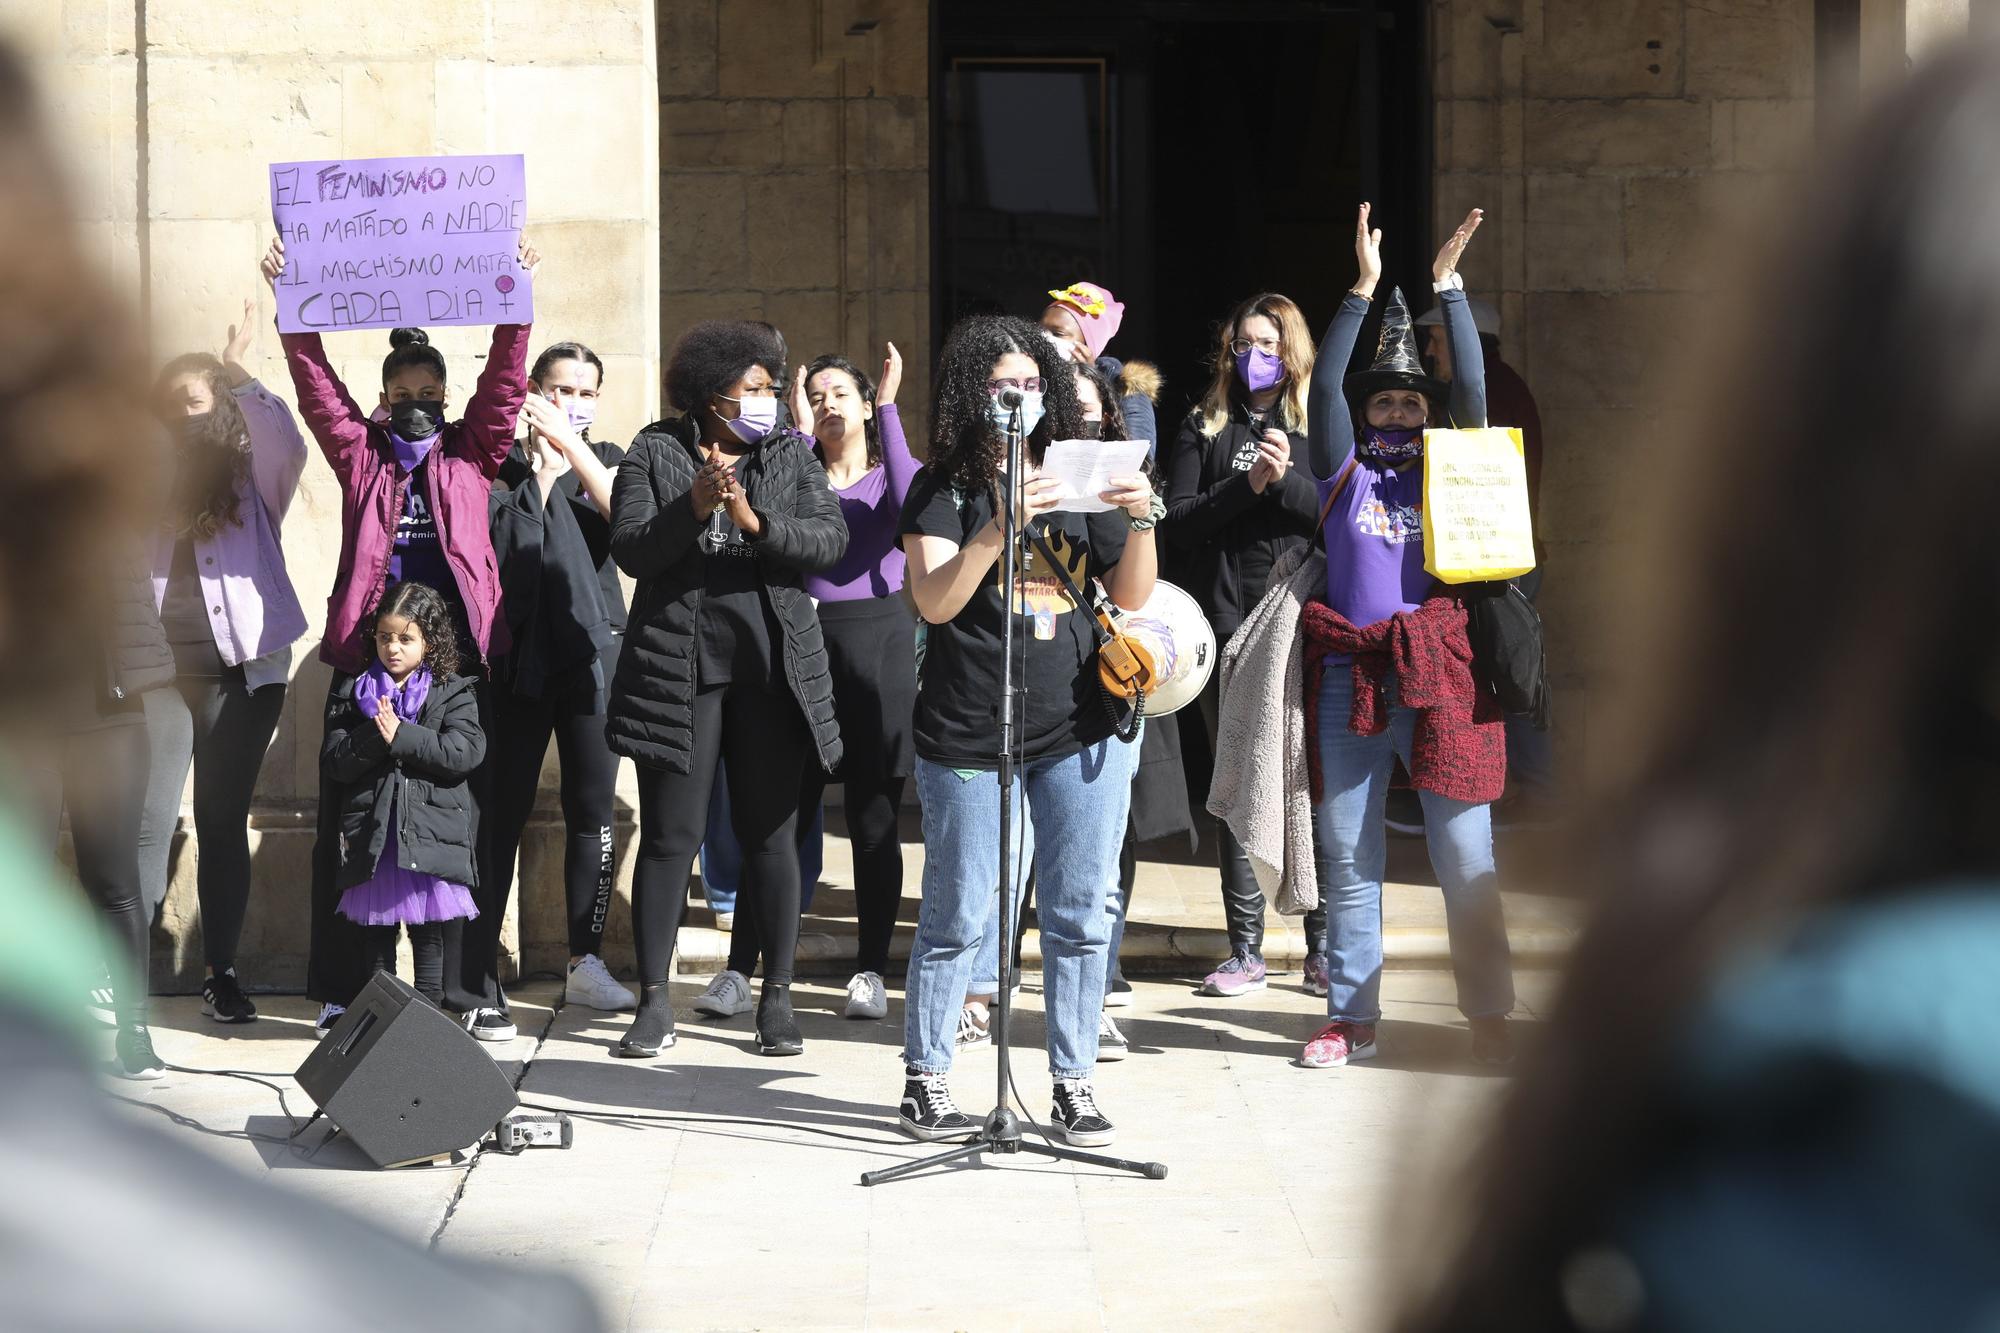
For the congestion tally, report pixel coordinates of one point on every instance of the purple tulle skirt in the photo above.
(400, 897)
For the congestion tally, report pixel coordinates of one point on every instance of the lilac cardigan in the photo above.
(252, 609)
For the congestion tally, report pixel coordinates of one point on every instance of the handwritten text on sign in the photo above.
(373, 243)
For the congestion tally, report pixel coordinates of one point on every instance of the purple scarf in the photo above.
(411, 453)
(371, 685)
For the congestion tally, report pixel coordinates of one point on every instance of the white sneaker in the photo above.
(972, 1032)
(725, 921)
(1111, 1043)
(591, 985)
(727, 996)
(867, 997)
(329, 1014)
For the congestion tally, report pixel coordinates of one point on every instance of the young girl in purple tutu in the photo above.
(401, 739)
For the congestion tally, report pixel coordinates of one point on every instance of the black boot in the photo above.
(777, 1030)
(652, 1029)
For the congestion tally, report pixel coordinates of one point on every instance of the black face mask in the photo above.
(416, 418)
(1091, 430)
(193, 427)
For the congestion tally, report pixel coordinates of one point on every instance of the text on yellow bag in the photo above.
(1476, 521)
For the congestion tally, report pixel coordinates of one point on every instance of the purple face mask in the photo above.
(1260, 370)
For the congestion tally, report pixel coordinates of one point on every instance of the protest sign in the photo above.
(1476, 522)
(374, 243)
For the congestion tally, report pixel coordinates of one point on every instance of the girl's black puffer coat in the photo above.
(418, 779)
(656, 537)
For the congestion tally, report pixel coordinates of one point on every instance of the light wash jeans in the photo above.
(986, 972)
(1352, 852)
(1078, 806)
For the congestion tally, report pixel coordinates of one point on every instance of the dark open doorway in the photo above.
(1184, 153)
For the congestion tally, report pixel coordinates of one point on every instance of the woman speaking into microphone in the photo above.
(720, 516)
(1076, 774)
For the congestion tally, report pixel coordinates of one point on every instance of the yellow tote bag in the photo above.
(1476, 521)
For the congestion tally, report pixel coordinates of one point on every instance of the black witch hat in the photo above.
(1396, 364)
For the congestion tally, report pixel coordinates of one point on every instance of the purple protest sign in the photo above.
(373, 243)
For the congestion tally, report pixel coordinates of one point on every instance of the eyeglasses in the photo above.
(1241, 345)
(1032, 384)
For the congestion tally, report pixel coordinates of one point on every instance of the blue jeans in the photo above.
(986, 972)
(1352, 853)
(1077, 807)
(722, 858)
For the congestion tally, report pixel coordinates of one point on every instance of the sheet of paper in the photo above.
(1086, 467)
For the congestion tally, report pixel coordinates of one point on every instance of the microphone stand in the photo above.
(1001, 1134)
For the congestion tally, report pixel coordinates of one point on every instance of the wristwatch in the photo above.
(1452, 283)
(1157, 512)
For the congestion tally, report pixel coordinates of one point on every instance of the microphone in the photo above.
(1011, 398)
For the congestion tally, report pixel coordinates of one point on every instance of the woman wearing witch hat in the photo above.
(1387, 644)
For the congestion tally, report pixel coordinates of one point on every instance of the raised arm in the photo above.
(647, 534)
(277, 450)
(496, 400)
(897, 461)
(333, 417)
(1468, 358)
(1330, 425)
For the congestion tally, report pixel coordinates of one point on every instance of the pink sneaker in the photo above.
(1238, 976)
(1318, 977)
(1337, 1044)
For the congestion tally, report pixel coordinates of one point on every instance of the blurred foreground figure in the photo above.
(104, 1223)
(1769, 1095)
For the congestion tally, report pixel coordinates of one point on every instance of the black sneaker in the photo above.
(490, 1025)
(224, 1001)
(652, 1029)
(99, 1003)
(777, 1030)
(928, 1112)
(136, 1059)
(1076, 1116)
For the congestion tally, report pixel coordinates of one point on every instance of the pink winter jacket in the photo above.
(461, 469)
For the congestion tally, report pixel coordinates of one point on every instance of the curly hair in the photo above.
(425, 607)
(214, 458)
(870, 428)
(966, 446)
(1107, 394)
(715, 353)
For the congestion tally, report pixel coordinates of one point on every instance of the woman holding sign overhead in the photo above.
(721, 515)
(413, 508)
(1389, 646)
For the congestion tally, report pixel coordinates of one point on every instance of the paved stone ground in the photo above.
(747, 1214)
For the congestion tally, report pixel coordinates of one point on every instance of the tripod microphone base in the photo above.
(1001, 1135)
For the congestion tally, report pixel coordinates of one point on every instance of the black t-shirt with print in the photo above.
(735, 627)
(958, 697)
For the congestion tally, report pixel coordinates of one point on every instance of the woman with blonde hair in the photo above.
(1234, 505)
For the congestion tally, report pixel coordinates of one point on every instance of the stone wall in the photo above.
(794, 175)
(1612, 142)
(171, 109)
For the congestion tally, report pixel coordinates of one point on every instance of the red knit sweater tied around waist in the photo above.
(1460, 747)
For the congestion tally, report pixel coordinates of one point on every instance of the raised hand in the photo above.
(892, 377)
(551, 423)
(274, 262)
(530, 258)
(802, 412)
(1367, 252)
(241, 336)
(1446, 263)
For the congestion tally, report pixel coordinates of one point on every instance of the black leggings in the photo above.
(870, 805)
(233, 725)
(766, 743)
(99, 775)
(516, 746)
(426, 948)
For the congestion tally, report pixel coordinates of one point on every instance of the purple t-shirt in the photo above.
(872, 565)
(1375, 543)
